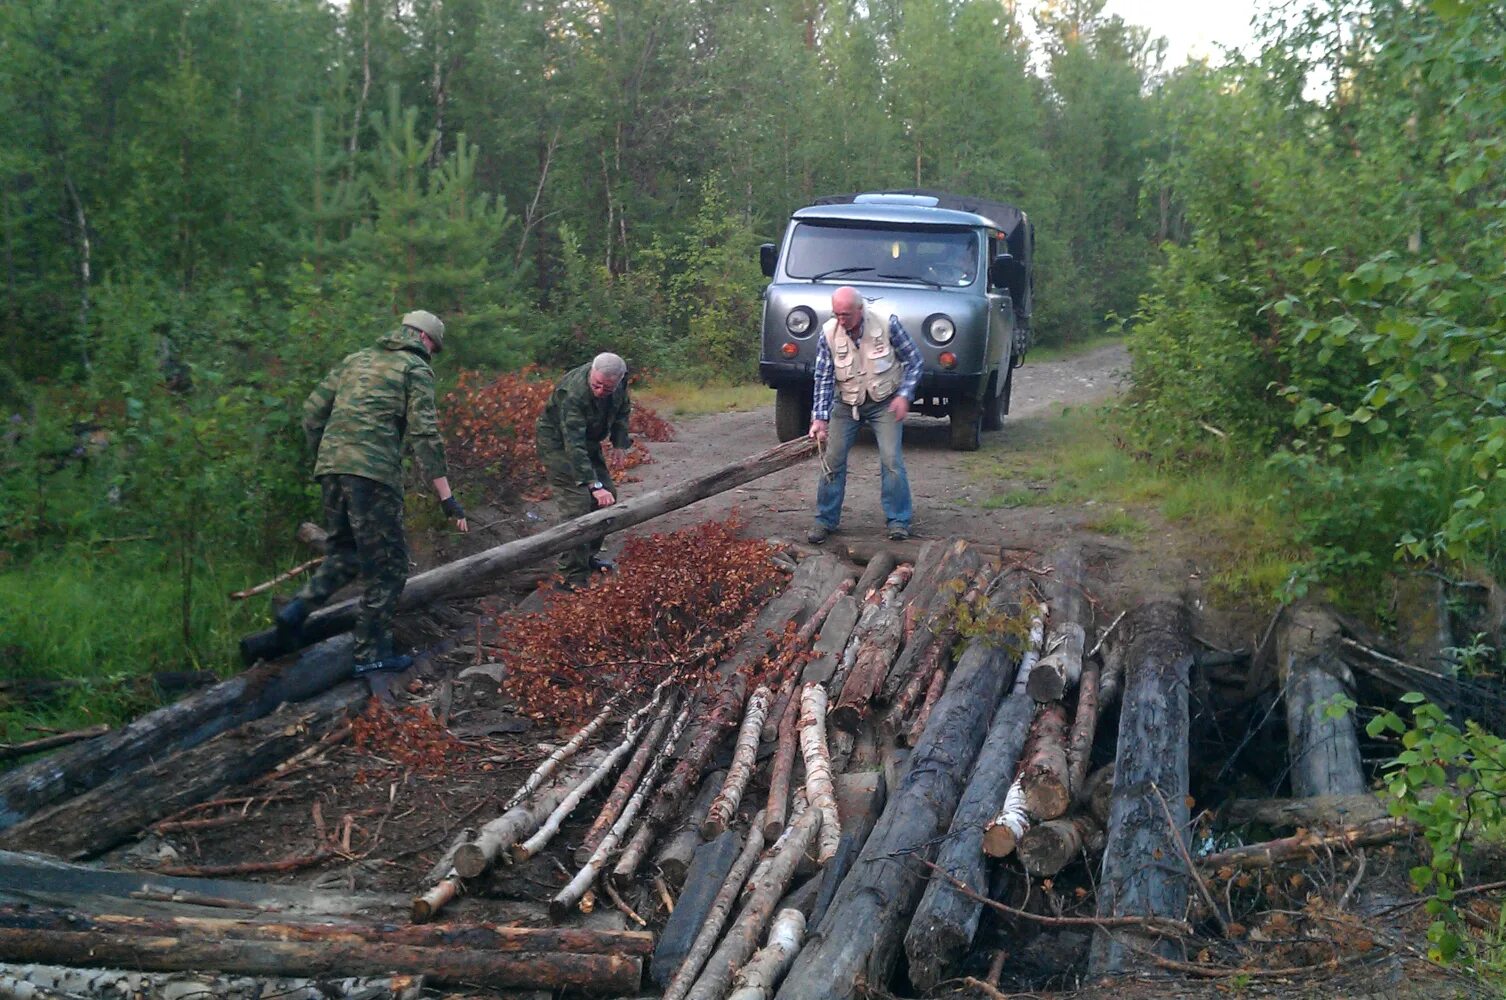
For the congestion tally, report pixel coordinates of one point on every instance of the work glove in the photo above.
(452, 508)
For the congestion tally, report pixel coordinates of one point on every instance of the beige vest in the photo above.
(867, 369)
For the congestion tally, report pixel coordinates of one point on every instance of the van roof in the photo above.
(916, 206)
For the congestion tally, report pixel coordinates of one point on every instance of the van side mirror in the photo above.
(1006, 271)
(768, 254)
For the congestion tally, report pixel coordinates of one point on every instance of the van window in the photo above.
(834, 252)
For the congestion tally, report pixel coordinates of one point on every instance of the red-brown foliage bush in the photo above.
(673, 598)
(489, 422)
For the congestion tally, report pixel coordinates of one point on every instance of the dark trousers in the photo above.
(574, 500)
(364, 519)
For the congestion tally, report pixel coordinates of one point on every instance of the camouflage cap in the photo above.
(427, 322)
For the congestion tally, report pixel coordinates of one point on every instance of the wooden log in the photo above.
(1150, 780)
(740, 771)
(858, 818)
(874, 575)
(859, 937)
(960, 561)
(473, 569)
(495, 838)
(1066, 596)
(875, 652)
(1002, 834)
(788, 668)
(565, 900)
(694, 957)
(813, 750)
(861, 550)
(1049, 847)
(1309, 843)
(564, 752)
(1323, 810)
(760, 977)
(1097, 794)
(827, 649)
(442, 893)
(614, 974)
(709, 872)
(781, 770)
(33, 786)
(478, 936)
(1084, 728)
(628, 781)
(927, 705)
(1324, 750)
(58, 982)
(765, 890)
(128, 803)
(674, 857)
(1044, 777)
(942, 929)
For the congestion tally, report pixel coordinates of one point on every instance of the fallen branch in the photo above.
(10, 750)
(248, 867)
(262, 588)
(563, 753)
(1274, 852)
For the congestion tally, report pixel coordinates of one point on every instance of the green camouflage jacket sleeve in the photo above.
(423, 423)
(620, 439)
(317, 408)
(575, 433)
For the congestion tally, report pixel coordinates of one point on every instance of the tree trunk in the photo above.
(1044, 778)
(35, 785)
(859, 938)
(760, 977)
(781, 770)
(612, 808)
(614, 974)
(1049, 847)
(1066, 597)
(708, 872)
(1150, 780)
(874, 575)
(1084, 729)
(482, 566)
(740, 771)
(942, 929)
(675, 857)
(125, 805)
(960, 561)
(1324, 751)
(875, 652)
(818, 784)
(827, 650)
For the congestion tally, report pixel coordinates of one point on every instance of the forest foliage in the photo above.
(205, 203)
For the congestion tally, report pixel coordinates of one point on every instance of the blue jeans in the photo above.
(894, 486)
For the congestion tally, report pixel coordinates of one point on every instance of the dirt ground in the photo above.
(379, 809)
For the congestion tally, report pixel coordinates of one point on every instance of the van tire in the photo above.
(995, 402)
(967, 423)
(792, 413)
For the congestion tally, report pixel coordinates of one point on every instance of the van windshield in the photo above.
(820, 251)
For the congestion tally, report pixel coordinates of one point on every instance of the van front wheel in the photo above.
(967, 423)
(792, 413)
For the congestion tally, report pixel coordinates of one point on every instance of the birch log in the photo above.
(760, 977)
(551, 826)
(626, 782)
(716, 916)
(740, 771)
(818, 786)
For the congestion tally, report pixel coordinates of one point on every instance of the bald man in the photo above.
(867, 370)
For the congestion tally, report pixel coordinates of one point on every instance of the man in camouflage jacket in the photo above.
(588, 404)
(356, 422)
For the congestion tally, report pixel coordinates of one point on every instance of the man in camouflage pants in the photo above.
(589, 403)
(356, 422)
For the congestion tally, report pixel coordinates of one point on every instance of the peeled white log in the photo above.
(626, 782)
(760, 977)
(545, 833)
(1006, 829)
(744, 755)
(563, 753)
(565, 901)
(716, 917)
(818, 785)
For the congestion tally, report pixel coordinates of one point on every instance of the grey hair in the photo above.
(610, 365)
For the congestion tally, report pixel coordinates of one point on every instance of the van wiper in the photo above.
(911, 277)
(839, 270)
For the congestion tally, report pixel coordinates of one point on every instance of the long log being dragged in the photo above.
(58, 982)
(614, 974)
(468, 572)
(127, 804)
(1150, 778)
(859, 937)
(566, 899)
(942, 929)
(37, 784)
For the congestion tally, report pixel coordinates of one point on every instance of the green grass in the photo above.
(686, 398)
(102, 616)
(1074, 460)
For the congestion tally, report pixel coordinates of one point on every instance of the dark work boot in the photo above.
(290, 618)
(600, 565)
(387, 664)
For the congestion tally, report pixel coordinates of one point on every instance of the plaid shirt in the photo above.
(826, 382)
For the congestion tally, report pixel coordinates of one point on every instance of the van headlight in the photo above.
(940, 329)
(800, 321)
